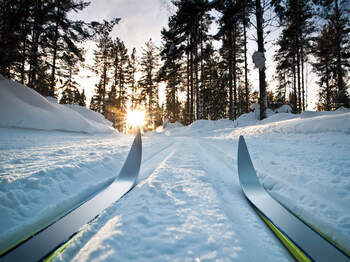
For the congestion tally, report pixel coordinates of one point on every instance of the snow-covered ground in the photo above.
(188, 204)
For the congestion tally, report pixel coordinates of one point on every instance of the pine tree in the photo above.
(62, 34)
(334, 37)
(294, 44)
(148, 84)
(214, 92)
(131, 81)
(82, 99)
(340, 22)
(117, 97)
(190, 26)
(171, 73)
(70, 69)
(230, 32)
(102, 66)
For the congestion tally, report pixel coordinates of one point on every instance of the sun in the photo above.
(135, 118)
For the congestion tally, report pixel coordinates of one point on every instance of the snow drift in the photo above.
(23, 107)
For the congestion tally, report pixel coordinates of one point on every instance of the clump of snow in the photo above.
(89, 114)
(203, 126)
(22, 107)
(52, 99)
(259, 59)
(174, 125)
(284, 109)
(308, 114)
(292, 124)
(343, 109)
(256, 110)
(246, 120)
(279, 117)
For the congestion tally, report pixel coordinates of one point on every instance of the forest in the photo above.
(43, 48)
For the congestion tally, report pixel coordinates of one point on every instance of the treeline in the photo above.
(216, 81)
(41, 47)
(117, 85)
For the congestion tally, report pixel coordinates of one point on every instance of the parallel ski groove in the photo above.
(44, 242)
(307, 240)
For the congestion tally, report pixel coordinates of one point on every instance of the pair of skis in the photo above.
(57, 236)
(302, 242)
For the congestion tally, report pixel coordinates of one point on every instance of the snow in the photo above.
(187, 204)
(259, 59)
(22, 107)
(284, 109)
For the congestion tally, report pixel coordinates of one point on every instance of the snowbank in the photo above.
(317, 123)
(22, 107)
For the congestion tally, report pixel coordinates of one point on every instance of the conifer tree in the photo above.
(63, 34)
(131, 80)
(230, 32)
(171, 73)
(214, 92)
(335, 31)
(295, 44)
(70, 69)
(102, 66)
(117, 97)
(149, 63)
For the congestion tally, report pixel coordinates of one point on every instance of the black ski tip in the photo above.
(132, 163)
(242, 148)
(241, 141)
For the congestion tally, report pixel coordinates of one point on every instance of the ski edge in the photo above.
(291, 246)
(124, 174)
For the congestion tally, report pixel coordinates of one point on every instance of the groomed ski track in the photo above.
(192, 225)
(187, 204)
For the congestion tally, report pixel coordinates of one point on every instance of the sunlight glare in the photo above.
(135, 118)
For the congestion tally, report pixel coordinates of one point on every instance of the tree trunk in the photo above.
(196, 75)
(23, 57)
(234, 71)
(230, 71)
(53, 71)
(328, 91)
(191, 80)
(295, 106)
(302, 77)
(262, 83)
(298, 78)
(245, 65)
(341, 92)
(188, 115)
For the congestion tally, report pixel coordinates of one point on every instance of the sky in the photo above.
(144, 19)
(140, 21)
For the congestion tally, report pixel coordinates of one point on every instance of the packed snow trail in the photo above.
(184, 217)
(188, 176)
(43, 243)
(44, 174)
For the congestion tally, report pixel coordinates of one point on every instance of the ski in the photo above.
(42, 244)
(302, 242)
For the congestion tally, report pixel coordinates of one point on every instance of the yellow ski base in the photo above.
(62, 248)
(292, 248)
(333, 242)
